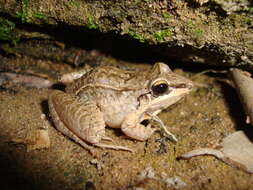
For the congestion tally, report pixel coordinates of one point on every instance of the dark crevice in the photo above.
(212, 6)
(234, 105)
(122, 47)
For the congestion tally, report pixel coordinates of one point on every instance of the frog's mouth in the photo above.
(164, 101)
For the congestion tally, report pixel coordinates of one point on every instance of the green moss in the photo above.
(166, 15)
(23, 14)
(248, 21)
(191, 24)
(148, 1)
(136, 36)
(198, 33)
(40, 16)
(91, 23)
(74, 4)
(250, 9)
(193, 29)
(7, 31)
(26, 15)
(162, 34)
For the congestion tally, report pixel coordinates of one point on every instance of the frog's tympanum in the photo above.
(108, 96)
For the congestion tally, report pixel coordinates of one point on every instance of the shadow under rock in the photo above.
(235, 107)
(15, 172)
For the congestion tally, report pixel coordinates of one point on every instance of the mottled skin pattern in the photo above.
(108, 96)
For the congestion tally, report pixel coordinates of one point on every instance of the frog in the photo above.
(107, 96)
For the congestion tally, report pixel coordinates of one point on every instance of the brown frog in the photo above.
(108, 96)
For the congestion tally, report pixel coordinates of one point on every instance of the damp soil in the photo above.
(208, 114)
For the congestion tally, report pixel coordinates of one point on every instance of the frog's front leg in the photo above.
(133, 128)
(80, 120)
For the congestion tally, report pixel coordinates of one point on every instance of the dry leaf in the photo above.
(236, 150)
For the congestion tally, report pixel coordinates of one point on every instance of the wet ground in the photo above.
(202, 119)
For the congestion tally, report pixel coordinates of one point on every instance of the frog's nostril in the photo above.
(188, 85)
(191, 85)
(183, 85)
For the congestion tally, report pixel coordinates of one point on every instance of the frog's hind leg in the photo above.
(81, 121)
(57, 101)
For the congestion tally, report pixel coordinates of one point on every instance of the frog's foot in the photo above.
(115, 147)
(85, 146)
(167, 133)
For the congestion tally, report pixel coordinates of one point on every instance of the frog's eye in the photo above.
(160, 88)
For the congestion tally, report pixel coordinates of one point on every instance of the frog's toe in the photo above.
(107, 139)
(115, 147)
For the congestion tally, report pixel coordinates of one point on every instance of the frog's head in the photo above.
(166, 87)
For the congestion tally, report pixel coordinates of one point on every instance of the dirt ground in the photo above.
(209, 113)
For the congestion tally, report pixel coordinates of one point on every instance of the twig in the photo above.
(209, 71)
(244, 87)
(26, 80)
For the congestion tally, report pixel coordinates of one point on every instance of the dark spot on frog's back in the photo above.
(183, 85)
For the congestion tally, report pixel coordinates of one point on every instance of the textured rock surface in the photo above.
(207, 31)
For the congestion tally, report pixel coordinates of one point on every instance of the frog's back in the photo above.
(114, 91)
(109, 78)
